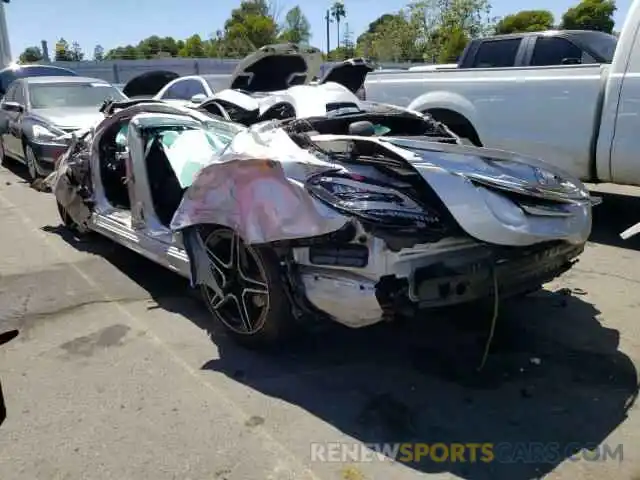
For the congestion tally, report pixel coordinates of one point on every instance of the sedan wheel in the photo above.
(32, 163)
(252, 303)
(68, 222)
(3, 155)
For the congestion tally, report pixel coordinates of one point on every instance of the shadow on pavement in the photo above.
(616, 213)
(555, 375)
(18, 169)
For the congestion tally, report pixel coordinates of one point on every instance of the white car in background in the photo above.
(193, 88)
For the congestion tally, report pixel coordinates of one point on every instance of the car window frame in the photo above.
(181, 84)
(167, 95)
(202, 90)
(19, 89)
(486, 43)
(551, 39)
(10, 94)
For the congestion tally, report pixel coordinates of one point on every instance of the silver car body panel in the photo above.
(256, 186)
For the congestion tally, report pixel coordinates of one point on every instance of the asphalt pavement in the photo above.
(119, 374)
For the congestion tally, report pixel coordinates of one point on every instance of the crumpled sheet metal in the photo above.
(257, 189)
(66, 193)
(199, 262)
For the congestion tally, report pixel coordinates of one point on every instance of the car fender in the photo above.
(448, 101)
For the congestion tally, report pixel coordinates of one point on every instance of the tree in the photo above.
(338, 12)
(193, 47)
(31, 55)
(452, 46)
(526, 21)
(250, 26)
(76, 52)
(98, 53)
(347, 42)
(63, 51)
(590, 15)
(128, 52)
(443, 24)
(155, 46)
(392, 37)
(296, 27)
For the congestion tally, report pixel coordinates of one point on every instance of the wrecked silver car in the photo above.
(356, 214)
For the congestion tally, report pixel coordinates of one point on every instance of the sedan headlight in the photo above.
(370, 200)
(43, 133)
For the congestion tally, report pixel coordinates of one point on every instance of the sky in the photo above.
(119, 22)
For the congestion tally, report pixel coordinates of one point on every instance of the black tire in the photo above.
(268, 320)
(68, 222)
(31, 161)
(3, 155)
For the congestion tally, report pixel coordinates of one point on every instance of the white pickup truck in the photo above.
(584, 118)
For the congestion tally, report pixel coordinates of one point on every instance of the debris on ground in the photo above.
(40, 185)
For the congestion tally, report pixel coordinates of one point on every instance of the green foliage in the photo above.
(338, 12)
(296, 28)
(590, 15)
(526, 21)
(426, 30)
(193, 47)
(98, 53)
(63, 51)
(76, 52)
(31, 55)
(391, 38)
(251, 26)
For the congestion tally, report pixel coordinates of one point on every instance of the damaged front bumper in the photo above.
(429, 276)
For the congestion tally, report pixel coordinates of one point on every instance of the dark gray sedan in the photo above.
(36, 111)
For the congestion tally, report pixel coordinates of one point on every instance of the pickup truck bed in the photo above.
(518, 109)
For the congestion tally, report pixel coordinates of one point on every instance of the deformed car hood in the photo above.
(148, 84)
(350, 73)
(475, 185)
(276, 67)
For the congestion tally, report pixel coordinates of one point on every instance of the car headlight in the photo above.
(42, 133)
(370, 200)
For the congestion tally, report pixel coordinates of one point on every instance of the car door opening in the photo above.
(164, 185)
(113, 168)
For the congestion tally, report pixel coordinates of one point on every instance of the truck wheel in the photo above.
(253, 305)
(457, 124)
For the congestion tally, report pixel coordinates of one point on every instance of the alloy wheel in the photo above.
(242, 304)
(32, 163)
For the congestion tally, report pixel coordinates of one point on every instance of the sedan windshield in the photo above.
(57, 95)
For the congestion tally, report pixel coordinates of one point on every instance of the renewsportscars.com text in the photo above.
(524, 452)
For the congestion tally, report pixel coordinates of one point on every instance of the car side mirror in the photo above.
(12, 107)
(199, 98)
(571, 61)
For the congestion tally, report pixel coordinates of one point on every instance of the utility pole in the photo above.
(327, 18)
(5, 46)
